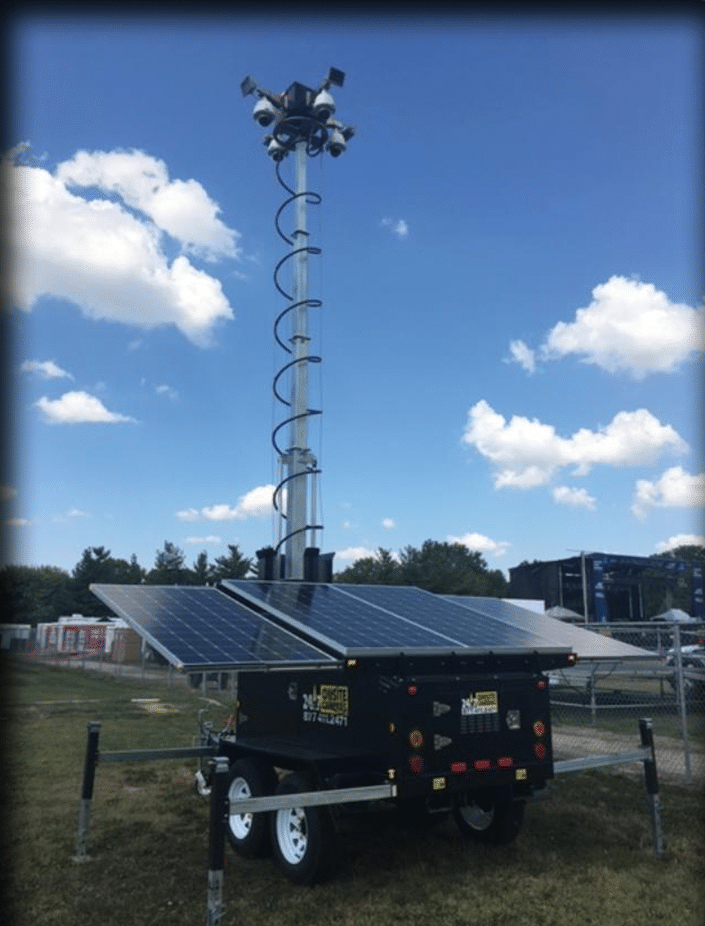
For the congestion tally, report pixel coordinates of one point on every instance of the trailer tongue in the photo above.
(392, 691)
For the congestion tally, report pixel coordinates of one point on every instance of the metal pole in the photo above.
(219, 792)
(651, 777)
(681, 696)
(585, 595)
(298, 451)
(84, 814)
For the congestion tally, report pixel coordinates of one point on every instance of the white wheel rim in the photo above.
(477, 818)
(240, 823)
(292, 834)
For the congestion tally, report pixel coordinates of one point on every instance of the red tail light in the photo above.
(412, 689)
(482, 764)
(540, 751)
(539, 728)
(416, 764)
(459, 767)
(505, 762)
(416, 739)
(541, 685)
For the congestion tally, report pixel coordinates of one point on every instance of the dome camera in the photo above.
(336, 143)
(264, 112)
(276, 151)
(323, 106)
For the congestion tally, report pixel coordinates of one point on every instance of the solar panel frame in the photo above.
(202, 628)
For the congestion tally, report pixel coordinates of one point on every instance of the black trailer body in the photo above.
(437, 727)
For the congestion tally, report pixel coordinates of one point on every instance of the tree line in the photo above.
(39, 594)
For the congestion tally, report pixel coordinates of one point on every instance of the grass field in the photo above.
(583, 858)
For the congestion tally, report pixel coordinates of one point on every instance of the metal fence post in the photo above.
(682, 701)
(84, 814)
(651, 777)
(219, 792)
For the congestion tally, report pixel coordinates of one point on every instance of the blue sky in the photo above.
(510, 274)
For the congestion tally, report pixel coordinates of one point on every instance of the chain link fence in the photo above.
(596, 706)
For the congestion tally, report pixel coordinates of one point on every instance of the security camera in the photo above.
(323, 105)
(276, 151)
(336, 143)
(264, 112)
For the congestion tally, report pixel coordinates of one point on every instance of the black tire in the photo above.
(490, 819)
(249, 833)
(303, 838)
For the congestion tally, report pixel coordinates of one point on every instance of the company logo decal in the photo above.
(327, 704)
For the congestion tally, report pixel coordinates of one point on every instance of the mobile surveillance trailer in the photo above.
(347, 694)
(359, 693)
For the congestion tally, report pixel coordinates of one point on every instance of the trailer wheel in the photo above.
(249, 832)
(491, 820)
(303, 838)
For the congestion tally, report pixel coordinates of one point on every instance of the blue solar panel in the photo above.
(357, 620)
(198, 628)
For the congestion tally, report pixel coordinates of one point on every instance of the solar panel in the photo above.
(440, 614)
(586, 643)
(196, 627)
(359, 620)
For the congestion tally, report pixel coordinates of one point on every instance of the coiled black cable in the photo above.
(314, 145)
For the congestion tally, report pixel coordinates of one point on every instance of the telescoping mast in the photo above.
(302, 123)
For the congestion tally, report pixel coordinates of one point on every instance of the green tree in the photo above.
(451, 569)
(231, 566)
(202, 572)
(169, 566)
(97, 566)
(380, 569)
(35, 594)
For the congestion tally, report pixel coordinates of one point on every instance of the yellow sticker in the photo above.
(438, 784)
(334, 700)
(520, 774)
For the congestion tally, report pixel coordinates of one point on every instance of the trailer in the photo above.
(359, 698)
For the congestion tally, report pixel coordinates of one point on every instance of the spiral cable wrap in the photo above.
(313, 147)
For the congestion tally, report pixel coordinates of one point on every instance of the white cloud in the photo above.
(169, 391)
(527, 453)
(207, 540)
(522, 354)
(47, 369)
(674, 489)
(574, 498)
(181, 208)
(78, 408)
(397, 227)
(100, 256)
(351, 554)
(389, 524)
(680, 540)
(481, 544)
(629, 327)
(256, 503)
(72, 513)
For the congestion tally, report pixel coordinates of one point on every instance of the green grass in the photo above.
(583, 858)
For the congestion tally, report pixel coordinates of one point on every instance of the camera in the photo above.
(264, 112)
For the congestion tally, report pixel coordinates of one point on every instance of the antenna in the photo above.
(303, 125)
